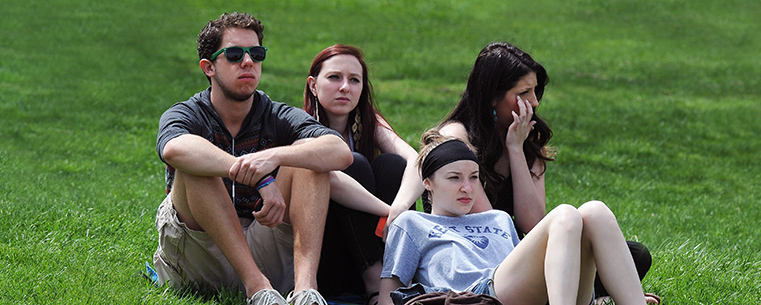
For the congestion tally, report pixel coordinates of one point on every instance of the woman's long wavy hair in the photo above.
(364, 135)
(498, 69)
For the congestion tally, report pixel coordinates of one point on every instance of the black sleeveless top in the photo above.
(503, 199)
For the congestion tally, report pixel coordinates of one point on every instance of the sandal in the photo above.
(652, 298)
(649, 299)
(306, 297)
(266, 297)
(606, 300)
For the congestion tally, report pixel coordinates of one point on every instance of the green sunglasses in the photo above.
(235, 54)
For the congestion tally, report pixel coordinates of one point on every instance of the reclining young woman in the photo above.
(482, 253)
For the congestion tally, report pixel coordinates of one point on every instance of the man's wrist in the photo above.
(264, 182)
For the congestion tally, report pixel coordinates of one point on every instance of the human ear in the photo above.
(207, 67)
(312, 83)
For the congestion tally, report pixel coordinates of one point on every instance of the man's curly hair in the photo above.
(210, 37)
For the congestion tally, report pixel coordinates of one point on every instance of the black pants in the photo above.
(349, 244)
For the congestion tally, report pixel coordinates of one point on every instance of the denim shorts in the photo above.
(484, 286)
(404, 294)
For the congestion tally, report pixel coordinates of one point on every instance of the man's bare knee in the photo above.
(189, 190)
(310, 176)
(296, 180)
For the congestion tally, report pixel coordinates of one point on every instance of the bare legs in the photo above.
(203, 204)
(610, 252)
(556, 260)
(306, 193)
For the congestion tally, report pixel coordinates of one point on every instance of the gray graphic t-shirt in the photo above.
(444, 251)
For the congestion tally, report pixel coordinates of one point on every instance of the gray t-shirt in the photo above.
(444, 251)
(268, 124)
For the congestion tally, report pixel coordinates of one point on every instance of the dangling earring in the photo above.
(356, 128)
(494, 114)
(317, 109)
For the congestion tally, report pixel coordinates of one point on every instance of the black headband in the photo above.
(445, 153)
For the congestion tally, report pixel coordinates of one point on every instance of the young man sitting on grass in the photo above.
(247, 179)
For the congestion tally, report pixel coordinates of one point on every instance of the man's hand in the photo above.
(249, 168)
(273, 209)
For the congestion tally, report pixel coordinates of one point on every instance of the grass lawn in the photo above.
(655, 107)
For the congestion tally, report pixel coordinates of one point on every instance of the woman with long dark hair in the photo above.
(497, 115)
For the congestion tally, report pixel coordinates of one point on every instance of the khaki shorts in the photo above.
(187, 258)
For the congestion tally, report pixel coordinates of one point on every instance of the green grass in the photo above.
(654, 104)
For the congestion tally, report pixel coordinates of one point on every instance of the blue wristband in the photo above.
(265, 182)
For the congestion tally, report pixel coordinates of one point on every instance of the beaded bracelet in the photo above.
(267, 180)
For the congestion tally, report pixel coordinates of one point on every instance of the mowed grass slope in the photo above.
(655, 108)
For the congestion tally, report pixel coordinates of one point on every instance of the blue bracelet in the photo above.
(265, 182)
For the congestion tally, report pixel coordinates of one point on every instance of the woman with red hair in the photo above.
(339, 95)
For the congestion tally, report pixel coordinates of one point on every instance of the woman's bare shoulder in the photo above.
(454, 129)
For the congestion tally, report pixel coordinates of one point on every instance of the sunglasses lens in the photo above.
(234, 54)
(258, 53)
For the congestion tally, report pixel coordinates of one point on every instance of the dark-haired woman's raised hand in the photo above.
(521, 126)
